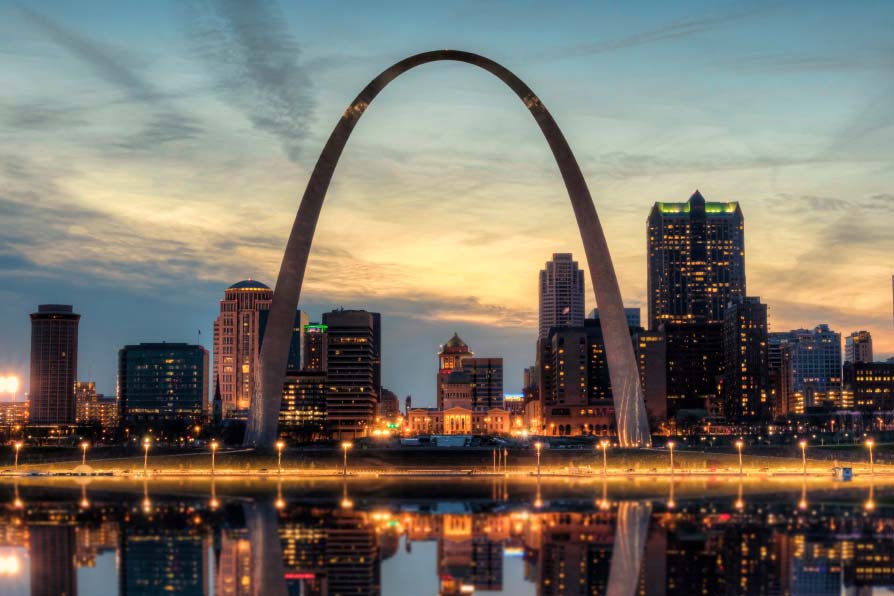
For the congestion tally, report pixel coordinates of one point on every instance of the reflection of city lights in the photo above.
(213, 503)
(279, 503)
(10, 564)
(802, 504)
(869, 505)
(346, 503)
(147, 505)
(17, 503)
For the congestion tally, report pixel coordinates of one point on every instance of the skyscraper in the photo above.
(54, 364)
(561, 294)
(162, 381)
(696, 254)
(745, 357)
(352, 361)
(486, 376)
(858, 347)
(694, 366)
(237, 342)
(314, 356)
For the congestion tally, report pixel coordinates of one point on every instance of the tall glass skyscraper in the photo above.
(696, 253)
(561, 294)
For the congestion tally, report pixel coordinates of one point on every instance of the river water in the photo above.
(417, 537)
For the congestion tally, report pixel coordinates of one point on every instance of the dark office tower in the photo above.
(696, 260)
(352, 556)
(487, 382)
(745, 380)
(351, 393)
(561, 294)
(296, 344)
(52, 555)
(54, 364)
(314, 347)
(651, 356)
(858, 347)
(694, 359)
(487, 564)
(781, 375)
(162, 381)
(302, 412)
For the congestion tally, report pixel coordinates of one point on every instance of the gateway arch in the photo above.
(630, 410)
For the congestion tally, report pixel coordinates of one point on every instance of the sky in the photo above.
(154, 153)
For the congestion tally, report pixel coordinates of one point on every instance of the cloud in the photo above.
(247, 47)
(164, 123)
(676, 30)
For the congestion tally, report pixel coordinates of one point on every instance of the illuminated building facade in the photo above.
(162, 381)
(13, 414)
(816, 365)
(303, 408)
(450, 359)
(858, 347)
(54, 364)
(237, 343)
(458, 420)
(745, 360)
(696, 260)
(353, 359)
(651, 356)
(94, 408)
(871, 384)
(561, 294)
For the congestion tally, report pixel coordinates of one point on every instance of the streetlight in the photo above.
(739, 445)
(345, 446)
(146, 443)
(18, 446)
(280, 445)
(670, 446)
(803, 445)
(538, 446)
(604, 444)
(870, 443)
(214, 446)
(84, 446)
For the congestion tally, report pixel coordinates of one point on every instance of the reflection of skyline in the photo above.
(700, 547)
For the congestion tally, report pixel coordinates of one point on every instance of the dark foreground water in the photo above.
(446, 536)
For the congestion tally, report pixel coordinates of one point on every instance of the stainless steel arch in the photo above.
(633, 426)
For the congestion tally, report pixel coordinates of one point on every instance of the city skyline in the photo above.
(187, 240)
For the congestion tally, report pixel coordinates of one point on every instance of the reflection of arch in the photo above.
(633, 427)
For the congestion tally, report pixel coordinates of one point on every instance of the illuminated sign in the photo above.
(513, 551)
(300, 575)
(316, 328)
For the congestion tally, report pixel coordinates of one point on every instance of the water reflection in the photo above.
(543, 538)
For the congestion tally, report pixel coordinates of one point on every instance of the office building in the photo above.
(858, 347)
(162, 381)
(302, 413)
(745, 360)
(696, 260)
(94, 408)
(13, 415)
(486, 378)
(871, 384)
(651, 357)
(694, 361)
(781, 375)
(314, 354)
(237, 343)
(54, 365)
(561, 294)
(816, 365)
(351, 392)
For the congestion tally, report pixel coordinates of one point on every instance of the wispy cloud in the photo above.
(679, 29)
(248, 48)
(165, 122)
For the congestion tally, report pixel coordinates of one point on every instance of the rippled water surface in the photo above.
(446, 536)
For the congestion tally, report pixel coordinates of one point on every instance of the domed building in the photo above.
(237, 343)
(450, 359)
